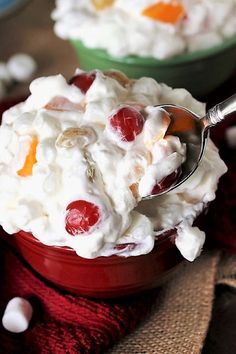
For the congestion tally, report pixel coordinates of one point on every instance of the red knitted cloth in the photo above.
(70, 324)
(63, 323)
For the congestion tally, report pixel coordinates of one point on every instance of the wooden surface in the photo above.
(31, 31)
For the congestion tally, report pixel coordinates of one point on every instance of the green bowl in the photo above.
(199, 72)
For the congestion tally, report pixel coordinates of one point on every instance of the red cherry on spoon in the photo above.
(166, 182)
(127, 123)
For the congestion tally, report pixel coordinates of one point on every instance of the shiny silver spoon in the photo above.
(193, 131)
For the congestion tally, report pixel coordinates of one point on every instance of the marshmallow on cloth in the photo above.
(17, 315)
(230, 135)
(19, 68)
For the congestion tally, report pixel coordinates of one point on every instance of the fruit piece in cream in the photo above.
(126, 123)
(91, 148)
(147, 28)
(166, 12)
(81, 217)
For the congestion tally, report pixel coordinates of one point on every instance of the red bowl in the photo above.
(102, 277)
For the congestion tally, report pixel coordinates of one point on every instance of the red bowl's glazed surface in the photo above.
(103, 276)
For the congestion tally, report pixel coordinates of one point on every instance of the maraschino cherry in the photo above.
(81, 217)
(127, 123)
(83, 80)
(166, 182)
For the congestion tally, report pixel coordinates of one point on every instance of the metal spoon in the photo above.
(193, 131)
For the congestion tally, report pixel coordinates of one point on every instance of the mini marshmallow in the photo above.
(17, 315)
(21, 67)
(230, 135)
(189, 241)
(5, 76)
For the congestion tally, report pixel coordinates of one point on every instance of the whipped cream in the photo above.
(128, 27)
(63, 149)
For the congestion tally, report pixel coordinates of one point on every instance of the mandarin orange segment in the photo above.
(180, 126)
(102, 4)
(30, 159)
(170, 12)
(134, 189)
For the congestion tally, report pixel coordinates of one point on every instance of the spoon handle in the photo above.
(221, 111)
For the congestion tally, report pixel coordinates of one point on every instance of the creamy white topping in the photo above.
(78, 155)
(189, 241)
(122, 28)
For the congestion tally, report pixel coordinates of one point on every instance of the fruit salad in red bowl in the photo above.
(77, 157)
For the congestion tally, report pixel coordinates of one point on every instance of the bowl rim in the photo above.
(227, 44)
(167, 237)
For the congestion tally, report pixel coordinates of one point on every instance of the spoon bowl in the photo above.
(193, 131)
